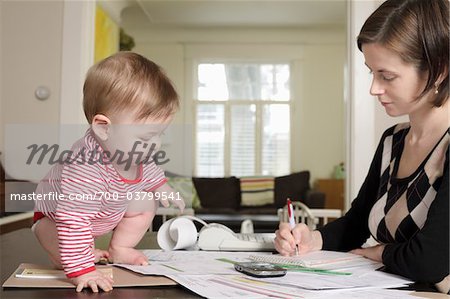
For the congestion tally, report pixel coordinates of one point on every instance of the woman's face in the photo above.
(395, 83)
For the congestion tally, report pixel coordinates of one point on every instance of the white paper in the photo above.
(209, 275)
(318, 259)
(240, 286)
(236, 286)
(190, 262)
(360, 280)
(177, 233)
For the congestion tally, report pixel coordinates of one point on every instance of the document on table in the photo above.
(373, 279)
(239, 286)
(322, 259)
(212, 274)
(189, 262)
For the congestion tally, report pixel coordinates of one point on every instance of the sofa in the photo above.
(230, 200)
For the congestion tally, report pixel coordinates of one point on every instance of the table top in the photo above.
(21, 246)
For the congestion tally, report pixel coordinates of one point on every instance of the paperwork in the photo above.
(239, 286)
(211, 274)
(317, 259)
(189, 262)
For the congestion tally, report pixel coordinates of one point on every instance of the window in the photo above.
(242, 119)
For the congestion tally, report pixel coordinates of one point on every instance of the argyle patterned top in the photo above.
(402, 206)
(409, 215)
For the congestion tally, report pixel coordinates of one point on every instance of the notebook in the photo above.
(317, 259)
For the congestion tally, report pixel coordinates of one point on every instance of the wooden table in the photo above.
(22, 247)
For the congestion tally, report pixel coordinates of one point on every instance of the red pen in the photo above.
(291, 220)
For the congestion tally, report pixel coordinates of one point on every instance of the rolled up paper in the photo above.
(178, 233)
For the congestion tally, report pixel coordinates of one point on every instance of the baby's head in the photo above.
(128, 82)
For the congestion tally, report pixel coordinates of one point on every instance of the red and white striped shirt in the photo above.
(96, 198)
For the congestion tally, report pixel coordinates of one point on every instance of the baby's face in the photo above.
(135, 140)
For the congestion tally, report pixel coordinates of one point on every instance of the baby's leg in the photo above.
(46, 233)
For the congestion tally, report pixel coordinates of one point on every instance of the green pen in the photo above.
(312, 270)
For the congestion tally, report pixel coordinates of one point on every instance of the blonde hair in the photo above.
(128, 81)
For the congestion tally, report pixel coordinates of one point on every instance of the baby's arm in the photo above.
(127, 234)
(75, 246)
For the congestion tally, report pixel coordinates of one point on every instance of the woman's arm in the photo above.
(352, 230)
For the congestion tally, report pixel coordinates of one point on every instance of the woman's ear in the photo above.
(101, 126)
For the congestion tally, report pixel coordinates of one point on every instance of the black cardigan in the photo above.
(425, 256)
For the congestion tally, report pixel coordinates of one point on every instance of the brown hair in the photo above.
(418, 31)
(128, 81)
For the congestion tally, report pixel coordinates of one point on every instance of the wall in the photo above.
(43, 43)
(320, 141)
(366, 120)
(106, 35)
(31, 35)
(318, 58)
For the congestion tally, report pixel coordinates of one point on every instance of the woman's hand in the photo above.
(307, 240)
(93, 280)
(374, 253)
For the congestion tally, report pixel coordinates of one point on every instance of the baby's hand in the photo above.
(93, 280)
(131, 256)
(179, 202)
(172, 196)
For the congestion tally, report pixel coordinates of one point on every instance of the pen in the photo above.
(291, 220)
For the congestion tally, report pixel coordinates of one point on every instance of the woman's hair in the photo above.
(418, 31)
(128, 81)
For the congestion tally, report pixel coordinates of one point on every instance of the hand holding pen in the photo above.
(291, 220)
(300, 238)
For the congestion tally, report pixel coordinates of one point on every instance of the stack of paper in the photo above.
(212, 275)
(318, 259)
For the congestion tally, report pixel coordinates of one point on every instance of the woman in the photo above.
(404, 200)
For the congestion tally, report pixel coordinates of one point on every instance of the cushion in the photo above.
(187, 190)
(218, 192)
(293, 186)
(257, 190)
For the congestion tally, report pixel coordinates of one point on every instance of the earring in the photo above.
(436, 88)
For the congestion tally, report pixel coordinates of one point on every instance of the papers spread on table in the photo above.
(239, 286)
(318, 259)
(212, 274)
(190, 262)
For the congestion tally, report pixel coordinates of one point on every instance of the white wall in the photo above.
(366, 120)
(319, 127)
(43, 43)
(318, 58)
(31, 34)
(360, 105)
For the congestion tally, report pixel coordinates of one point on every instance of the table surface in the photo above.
(22, 247)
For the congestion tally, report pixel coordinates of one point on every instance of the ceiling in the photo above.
(234, 13)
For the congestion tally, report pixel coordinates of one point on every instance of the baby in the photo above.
(110, 181)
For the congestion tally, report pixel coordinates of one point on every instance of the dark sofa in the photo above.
(220, 200)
